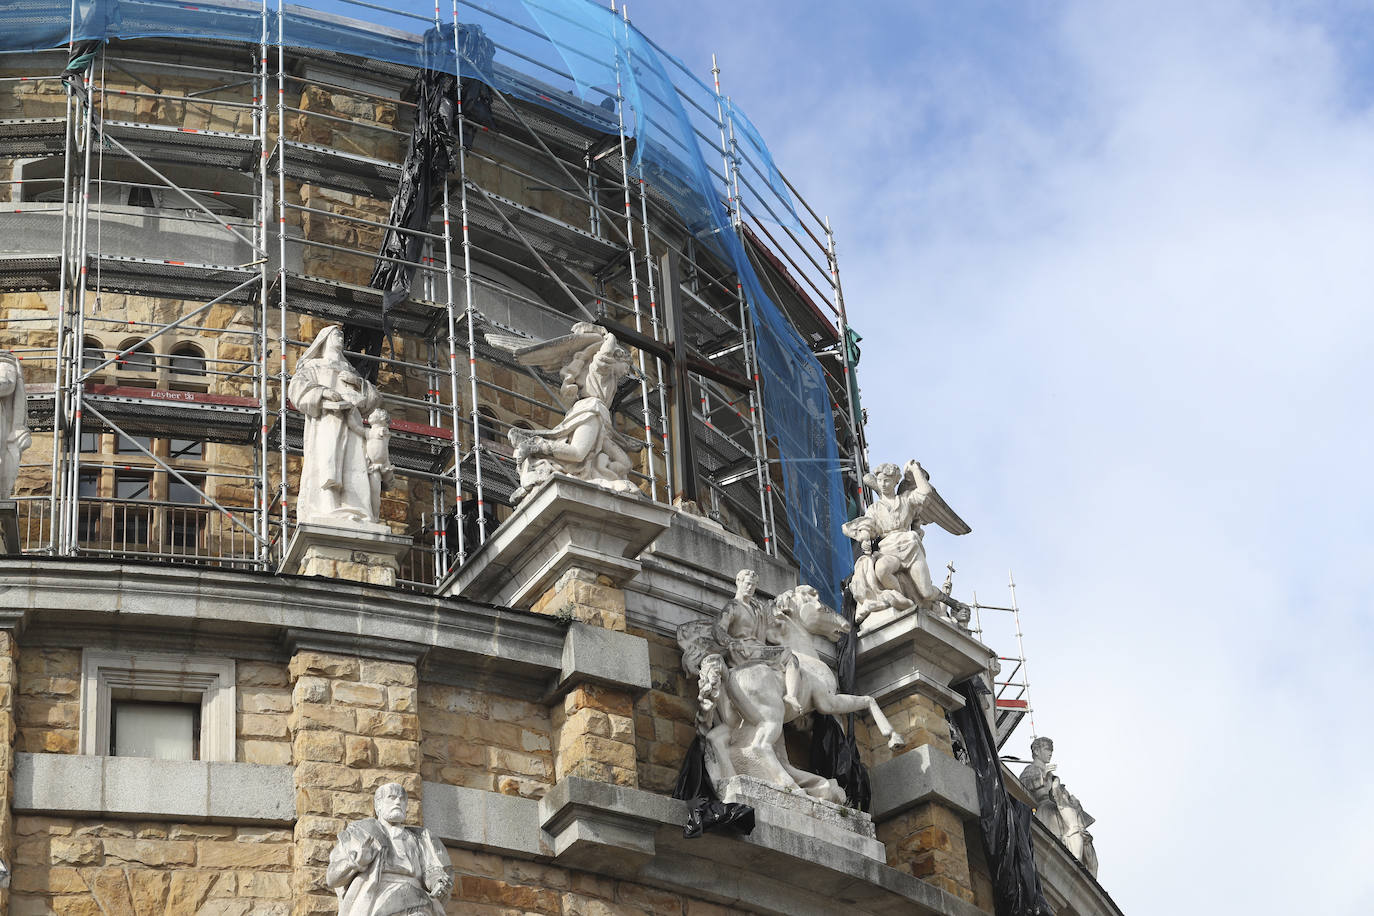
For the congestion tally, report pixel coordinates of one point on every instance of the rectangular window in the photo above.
(90, 442)
(188, 449)
(164, 731)
(150, 704)
(124, 445)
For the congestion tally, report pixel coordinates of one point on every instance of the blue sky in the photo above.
(1131, 244)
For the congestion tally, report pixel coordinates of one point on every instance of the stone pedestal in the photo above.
(689, 571)
(345, 553)
(800, 813)
(564, 525)
(9, 527)
(922, 796)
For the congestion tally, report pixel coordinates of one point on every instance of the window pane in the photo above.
(131, 485)
(187, 361)
(89, 484)
(178, 492)
(124, 445)
(141, 360)
(165, 731)
(90, 442)
(92, 356)
(186, 448)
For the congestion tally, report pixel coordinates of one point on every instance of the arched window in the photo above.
(488, 426)
(187, 359)
(92, 354)
(140, 359)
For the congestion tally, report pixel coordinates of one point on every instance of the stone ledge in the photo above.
(799, 813)
(1068, 885)
(638, 834)
(77, 785)
(603, 827)
(476, 645)
(474, 817)
(594, 655)
(920, 775)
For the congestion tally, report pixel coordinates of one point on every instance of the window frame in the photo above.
(158, 677)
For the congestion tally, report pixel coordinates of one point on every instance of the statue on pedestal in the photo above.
(336, 485)
(757, 670)
(586, 445)
(14, 428)
(381, 867)
(892, 575)
(1056, 807)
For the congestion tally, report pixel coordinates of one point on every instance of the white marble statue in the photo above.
(336, 480)
(586, 444)
(14, 428)
(892, 575)
(757, 669)
(381, 867)
(1056, 807)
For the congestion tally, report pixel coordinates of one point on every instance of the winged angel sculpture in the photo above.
(586, 444)
(892, 576)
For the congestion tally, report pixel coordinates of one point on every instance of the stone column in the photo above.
(354, 726)
(9, 686)
(923, 797)
(568, 551)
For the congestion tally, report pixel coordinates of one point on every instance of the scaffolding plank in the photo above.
(185, 145)
(32, 137)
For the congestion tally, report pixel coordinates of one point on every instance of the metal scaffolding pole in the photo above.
(283, 489)
(855, 426)
(632, 254)
(469, 313)
(262, 478)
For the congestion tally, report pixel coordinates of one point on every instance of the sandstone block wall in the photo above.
(485, 741)
(136, 868)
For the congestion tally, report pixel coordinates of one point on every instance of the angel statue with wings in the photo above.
(586, 445)
(892, 576)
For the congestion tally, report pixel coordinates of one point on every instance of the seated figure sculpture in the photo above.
(1056, 806)
(14, 428)
(892, 576)
(586, 444)
(381, 867)
(748, 663)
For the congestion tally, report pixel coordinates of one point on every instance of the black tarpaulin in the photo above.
(430, 156)
(1004, 822)
(708, 812)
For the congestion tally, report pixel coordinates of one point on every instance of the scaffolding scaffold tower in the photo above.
(184, 220)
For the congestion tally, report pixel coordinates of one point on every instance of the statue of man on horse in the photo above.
(758, 669)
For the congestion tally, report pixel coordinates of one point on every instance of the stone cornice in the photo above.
(476, 641)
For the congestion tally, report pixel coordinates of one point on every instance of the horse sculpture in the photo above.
(741, 712)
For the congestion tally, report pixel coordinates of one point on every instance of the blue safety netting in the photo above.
(586, 62)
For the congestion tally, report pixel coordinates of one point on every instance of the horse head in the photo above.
(804, 607)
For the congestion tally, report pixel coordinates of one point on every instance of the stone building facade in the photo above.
(528, 691)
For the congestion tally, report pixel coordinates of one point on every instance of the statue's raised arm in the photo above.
(586, 445)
